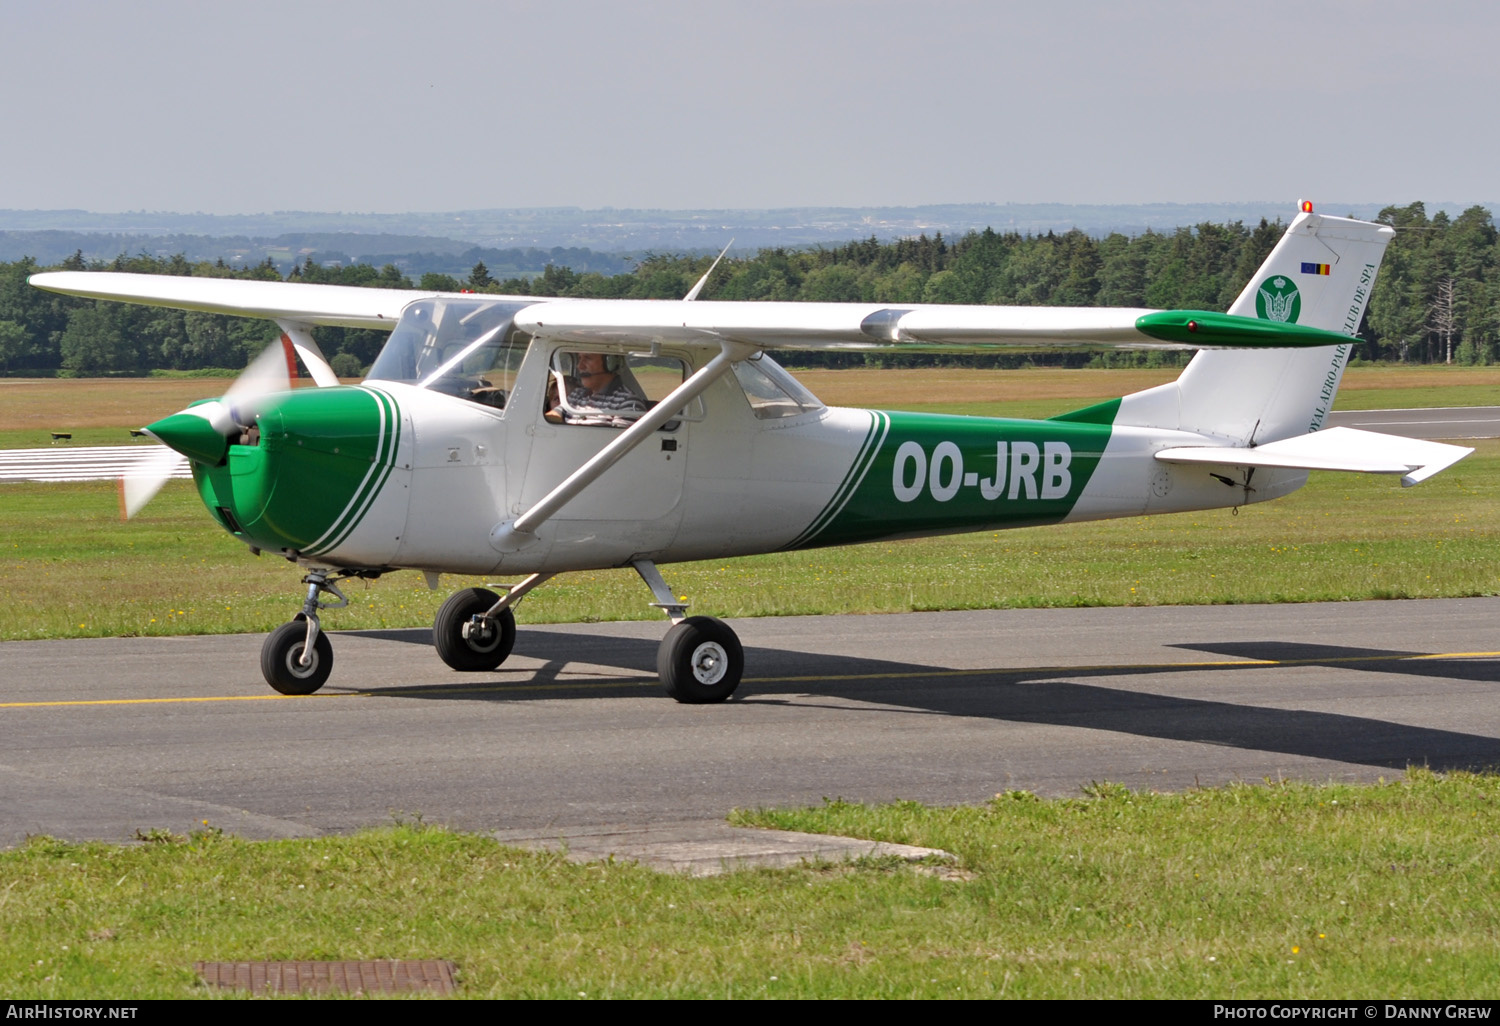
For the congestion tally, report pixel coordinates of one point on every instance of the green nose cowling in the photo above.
(193, 436)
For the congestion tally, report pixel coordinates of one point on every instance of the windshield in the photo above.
(462, 346)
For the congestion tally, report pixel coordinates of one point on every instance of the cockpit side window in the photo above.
(612, 389)
(465, 347)
(772, 392)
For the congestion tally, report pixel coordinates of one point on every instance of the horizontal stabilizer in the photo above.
(1340, 448)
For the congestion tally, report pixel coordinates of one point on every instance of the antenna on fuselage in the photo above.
(693, 292)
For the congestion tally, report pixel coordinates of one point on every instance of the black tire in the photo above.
(484, 653)
(700, 661)
(281, 660)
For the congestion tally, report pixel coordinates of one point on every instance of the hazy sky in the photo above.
(384, 106)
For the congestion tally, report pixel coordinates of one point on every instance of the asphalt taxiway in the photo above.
(102, 738)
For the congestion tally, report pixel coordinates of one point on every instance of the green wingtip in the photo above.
(1202, 328)
(192, 436)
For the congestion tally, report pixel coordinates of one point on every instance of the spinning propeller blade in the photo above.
(202, 432)
(144, 478)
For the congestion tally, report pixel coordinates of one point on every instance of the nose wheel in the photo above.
(283, 664)
(296, 657)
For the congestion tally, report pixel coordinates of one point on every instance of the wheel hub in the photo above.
(295, 664)
(480, 634)
(710, 662)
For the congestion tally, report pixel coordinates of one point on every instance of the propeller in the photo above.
(201, 432)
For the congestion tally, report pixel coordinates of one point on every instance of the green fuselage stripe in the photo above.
(379, 472)
(375, 478)
(932, 473)
(879, 425)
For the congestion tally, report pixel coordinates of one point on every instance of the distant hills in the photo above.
(415, 255)
(524, 240)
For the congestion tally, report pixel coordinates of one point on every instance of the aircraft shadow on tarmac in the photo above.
(1046, 695)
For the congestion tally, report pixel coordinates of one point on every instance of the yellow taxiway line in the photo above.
(1020, 671)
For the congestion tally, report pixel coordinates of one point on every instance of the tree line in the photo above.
(1437, 298)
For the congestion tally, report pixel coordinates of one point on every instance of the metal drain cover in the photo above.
(388, 976)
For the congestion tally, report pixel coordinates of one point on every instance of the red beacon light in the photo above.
(1306, 206)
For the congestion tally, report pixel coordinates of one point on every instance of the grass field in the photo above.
(1284, 891)
(70, 568)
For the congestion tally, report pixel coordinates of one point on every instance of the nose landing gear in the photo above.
(296, 658)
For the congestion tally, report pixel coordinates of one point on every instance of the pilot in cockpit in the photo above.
(599, 395)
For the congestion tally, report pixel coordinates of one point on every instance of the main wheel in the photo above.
(281, 660)
(486, 647)
(700, 660)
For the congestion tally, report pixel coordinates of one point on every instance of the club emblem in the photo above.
(1277, 299)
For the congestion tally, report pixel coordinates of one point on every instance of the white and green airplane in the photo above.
(511, 435)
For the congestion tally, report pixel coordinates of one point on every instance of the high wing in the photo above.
(760, 325)
(927, 327)
(343, 306)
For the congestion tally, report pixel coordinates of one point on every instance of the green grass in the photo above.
(41, 438)
(1287, 891)
(70, 568)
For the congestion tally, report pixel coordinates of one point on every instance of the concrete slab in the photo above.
(707, 847)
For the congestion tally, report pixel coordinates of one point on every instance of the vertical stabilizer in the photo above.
(1320, 274)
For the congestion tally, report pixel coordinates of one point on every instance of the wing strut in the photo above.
(300, 336)
(516, 593)
(512, 536)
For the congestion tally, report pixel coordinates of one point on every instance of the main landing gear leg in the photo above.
(476, 629)
(296, 658)
(700, 660)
